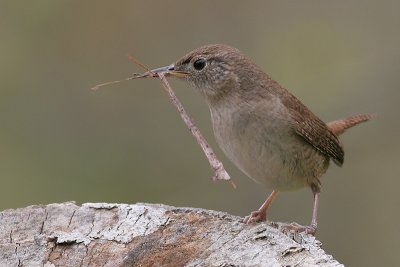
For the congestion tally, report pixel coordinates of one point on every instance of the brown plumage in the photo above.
(339, 126)
(266, 131)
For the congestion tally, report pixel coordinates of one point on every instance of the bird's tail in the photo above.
(339, 126)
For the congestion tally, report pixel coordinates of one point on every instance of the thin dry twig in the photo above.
(135, 76)
(219, 171)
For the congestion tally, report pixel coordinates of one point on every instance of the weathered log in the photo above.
(102, 234)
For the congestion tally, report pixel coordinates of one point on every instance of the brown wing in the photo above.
(314, 130)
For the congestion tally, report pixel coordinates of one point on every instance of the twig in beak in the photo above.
(219, 171)
(135, 76)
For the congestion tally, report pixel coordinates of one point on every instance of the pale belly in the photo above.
(268, 150)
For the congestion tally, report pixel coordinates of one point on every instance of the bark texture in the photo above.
(102, 234)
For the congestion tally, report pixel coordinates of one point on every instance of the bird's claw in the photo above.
(295, 227)
(255, 216)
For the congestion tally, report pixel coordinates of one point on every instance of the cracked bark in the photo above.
(102, 234)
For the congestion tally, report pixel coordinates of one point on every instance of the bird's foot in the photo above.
(255, 216)
(297, 228)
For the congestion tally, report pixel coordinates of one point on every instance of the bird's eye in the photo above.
(199, 64)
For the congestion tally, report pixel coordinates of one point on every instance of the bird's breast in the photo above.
(258, 140)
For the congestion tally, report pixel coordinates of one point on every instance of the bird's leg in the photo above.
(261, 213)
(312, 228)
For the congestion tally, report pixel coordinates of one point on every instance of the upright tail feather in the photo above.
(339, 126)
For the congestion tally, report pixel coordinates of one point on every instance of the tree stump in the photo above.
(103, 234)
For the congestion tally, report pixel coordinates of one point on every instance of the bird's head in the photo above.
(214, 70)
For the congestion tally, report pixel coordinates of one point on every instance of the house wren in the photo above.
(266, 131)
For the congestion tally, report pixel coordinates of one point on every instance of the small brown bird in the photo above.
(266, 131)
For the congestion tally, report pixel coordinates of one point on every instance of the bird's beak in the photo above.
(167, 71)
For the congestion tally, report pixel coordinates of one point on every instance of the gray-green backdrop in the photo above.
(59, 141)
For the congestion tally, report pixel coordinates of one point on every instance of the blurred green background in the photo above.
(126, 143)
